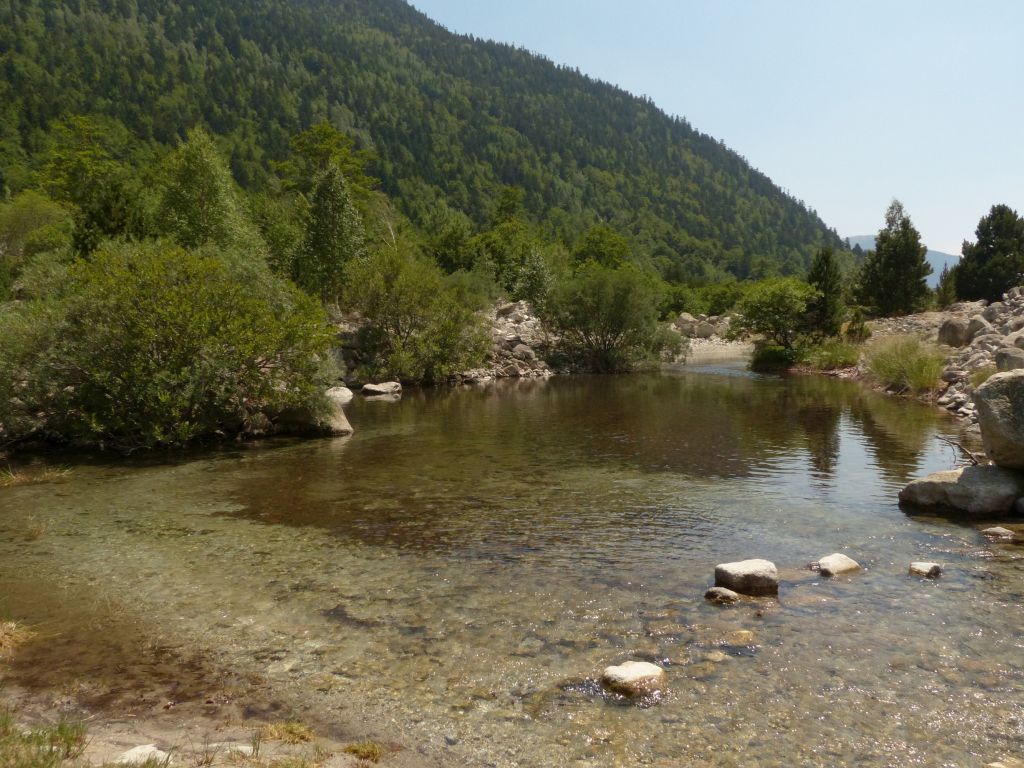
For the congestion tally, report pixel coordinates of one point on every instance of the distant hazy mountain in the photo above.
(937, 259)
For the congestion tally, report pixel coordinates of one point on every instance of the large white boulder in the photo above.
(384, 388)
(634, 678)
(1000, 404)
(978, 490)
(926, 570)
(748, 577)
(144, 753)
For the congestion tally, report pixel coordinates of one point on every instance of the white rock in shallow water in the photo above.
(634, 678)
(998, 532)
(979, 490)
(385, 388)
(928, 570)
(721, 595)
(837, 563)
(748, 577)
(144, 753)
(340, 395)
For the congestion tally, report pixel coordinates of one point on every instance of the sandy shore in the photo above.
(703, 351)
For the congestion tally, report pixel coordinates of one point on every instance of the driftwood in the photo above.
(963, 455)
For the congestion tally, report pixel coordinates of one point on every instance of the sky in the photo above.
(845, 104)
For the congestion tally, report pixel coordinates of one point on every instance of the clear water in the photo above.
(454, 577)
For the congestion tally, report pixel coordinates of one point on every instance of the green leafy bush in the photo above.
(773, 357)
(832, 354)
(151, 344)
(775, 309)
(418, 327)
(607, 316)
(906, 363)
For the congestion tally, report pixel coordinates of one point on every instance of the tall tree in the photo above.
(200, 205)
(333, 238)
(995, 262)
(825, 311)
(945, 291)
(893, 278)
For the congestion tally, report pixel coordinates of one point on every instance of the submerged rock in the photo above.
(144, 754)
(1000, 402)
(748, 577)
(928, 570)
(979, 490)
(837, 563)
(634, 678)
(721, 596)
(384, 388)
(998, 532)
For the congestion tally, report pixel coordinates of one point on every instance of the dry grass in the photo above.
(12, 635)
(906, 363)
(366, 750)
(12, 478)
(288, 731)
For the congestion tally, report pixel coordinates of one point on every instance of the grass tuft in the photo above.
(13, 634)
(982, 375)
(366, 750)
(832, 354)
(288, 731)
(906, 363)
(12, 478)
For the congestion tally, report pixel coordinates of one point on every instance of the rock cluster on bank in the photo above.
(701, 326)
(518, 341)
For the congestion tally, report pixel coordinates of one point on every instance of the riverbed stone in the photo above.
(977, 490)
(144, 753)
(953, 332)
(837, 563)
(340, 395)
(1009, 358)
(721, 596)
(748, 577)
(1000, 402)
(927, 570)
(633, 678)
(384, 388)
(998, 532)
(977, 326)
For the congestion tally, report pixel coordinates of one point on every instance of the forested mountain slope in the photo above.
(450, 119)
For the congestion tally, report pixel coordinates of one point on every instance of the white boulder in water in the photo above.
(634, 678)
(837, 563)
(748, 577)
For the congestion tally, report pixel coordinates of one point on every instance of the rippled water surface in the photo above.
(457, 573)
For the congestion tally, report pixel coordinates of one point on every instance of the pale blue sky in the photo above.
(845, 104)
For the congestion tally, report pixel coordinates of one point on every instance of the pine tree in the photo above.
(893, 278)
(334, 237)
(995, 263)
(945, 291)
(825, 311)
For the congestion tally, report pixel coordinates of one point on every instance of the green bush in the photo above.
(831, 354)
(607, 316)
(906, 363)
(151, 345)
(418, 327)
(775, 309)
(772, 357)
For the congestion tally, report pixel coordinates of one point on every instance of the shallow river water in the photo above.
(455, 575)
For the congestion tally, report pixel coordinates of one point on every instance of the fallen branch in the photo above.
(964, 453)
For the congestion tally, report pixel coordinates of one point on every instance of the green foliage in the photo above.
(905, 363)
(30, 223)
(44, 747)
(150, 345)
(516, 256)
(995, 262)
(449, 120)
(945, 291)
(832, 354)
(826, 310)
(200, 204)
(775, 309)
(333, 238)
(772, 357)
(607, 316)
(893, 277)
(602, 244)
(418, 328)
(857, 331)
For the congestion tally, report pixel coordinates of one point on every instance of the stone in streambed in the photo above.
(748, 577)
(144, 753)
(721, 596)
(953, 332)
(1000, 402)
(927, 570)
(998, 532)
(634, 678)
(384, 388)
(978, 490)
(837, 563)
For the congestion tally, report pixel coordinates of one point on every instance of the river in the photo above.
(455, 575)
